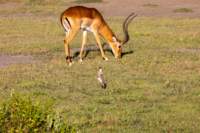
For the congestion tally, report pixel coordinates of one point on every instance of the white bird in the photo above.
(101, 79)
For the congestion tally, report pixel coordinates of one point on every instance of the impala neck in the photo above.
(107, 33)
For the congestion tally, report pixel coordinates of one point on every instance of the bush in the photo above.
(19, 114)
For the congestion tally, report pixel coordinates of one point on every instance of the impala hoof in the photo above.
(70, 64)
(105, 58)
(81, 60)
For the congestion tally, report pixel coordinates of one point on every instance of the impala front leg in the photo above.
(83, 44)
(100, 46)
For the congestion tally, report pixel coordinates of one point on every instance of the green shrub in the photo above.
(20, 114)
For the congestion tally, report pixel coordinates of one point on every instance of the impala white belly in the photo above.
(86, 23)
(87, 28)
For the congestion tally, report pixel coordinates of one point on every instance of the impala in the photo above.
(90, 20)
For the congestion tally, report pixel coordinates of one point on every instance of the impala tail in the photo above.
(65, 23)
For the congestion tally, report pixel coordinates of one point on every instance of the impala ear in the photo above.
(114, 39)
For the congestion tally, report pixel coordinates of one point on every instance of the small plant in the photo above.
(20, 114)
(150, 5)
(183, 10)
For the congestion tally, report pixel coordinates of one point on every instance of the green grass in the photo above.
(20, 114)
(154, 89)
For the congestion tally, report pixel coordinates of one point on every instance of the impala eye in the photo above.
(119, 46)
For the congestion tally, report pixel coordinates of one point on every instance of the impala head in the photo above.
(116, 44)
(116, 47)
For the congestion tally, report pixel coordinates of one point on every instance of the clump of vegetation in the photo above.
(183, 10)
(88, 1)
(20, 114)
(150, 5)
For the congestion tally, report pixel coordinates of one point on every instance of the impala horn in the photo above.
(125, 27)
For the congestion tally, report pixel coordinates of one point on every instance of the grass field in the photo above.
(154, 88)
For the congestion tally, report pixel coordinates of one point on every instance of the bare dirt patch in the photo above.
(152, 8)
(6, 60)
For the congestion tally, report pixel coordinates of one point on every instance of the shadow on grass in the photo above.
(127, 53)
(94, 48)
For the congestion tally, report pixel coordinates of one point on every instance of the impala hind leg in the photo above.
(68, 38)
(100, 46)
(83, 44)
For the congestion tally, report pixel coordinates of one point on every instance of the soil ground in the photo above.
(155, 8)
(6, 60)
